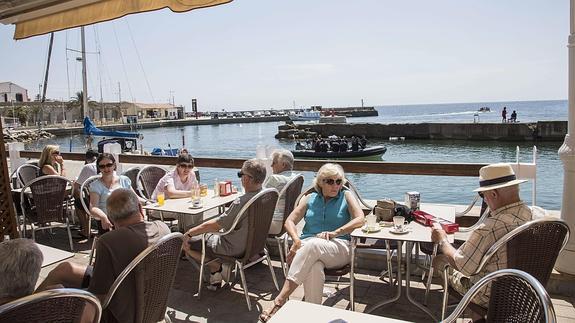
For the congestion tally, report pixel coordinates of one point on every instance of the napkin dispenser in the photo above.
(225, 188)
(427, 219)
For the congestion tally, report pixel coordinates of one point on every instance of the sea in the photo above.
(242, 140)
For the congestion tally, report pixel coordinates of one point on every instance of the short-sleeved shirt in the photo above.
(321, 216)
(87, 171)
(114, 252)
(98, 187)
(278, 181)
(234, 243)
(469, 255)
(172, 178)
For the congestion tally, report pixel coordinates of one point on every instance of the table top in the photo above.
(416, 232)
(183, 205)
(308, 312)
(53, 255)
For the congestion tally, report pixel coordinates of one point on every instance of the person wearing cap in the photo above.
(499, 188)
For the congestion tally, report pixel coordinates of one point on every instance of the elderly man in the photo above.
(282, 165)
(114, 251)
(499, 188)
(252, 175)
(19, 268)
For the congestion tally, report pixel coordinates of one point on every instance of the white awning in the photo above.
(37, 17)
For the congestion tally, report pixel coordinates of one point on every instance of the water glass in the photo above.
(203, 190)
(161, 198)
(371, 221)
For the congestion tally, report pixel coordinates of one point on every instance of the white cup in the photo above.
(371, 221)
(399, 223)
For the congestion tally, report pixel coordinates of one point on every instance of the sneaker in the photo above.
(227, 271)
(215, 281)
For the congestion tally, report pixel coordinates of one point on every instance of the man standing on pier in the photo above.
(504, 115)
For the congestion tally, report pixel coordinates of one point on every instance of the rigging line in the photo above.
(140, 61)
(109, 89)
(67, 67)
(96, 40)
(122, 59)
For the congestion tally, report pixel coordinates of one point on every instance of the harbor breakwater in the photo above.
(541, 130)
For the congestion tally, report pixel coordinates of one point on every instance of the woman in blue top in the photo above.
(330, 214)
(101, 188)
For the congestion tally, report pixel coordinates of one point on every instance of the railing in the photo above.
(366, 167)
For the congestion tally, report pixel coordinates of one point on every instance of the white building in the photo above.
(10, 92)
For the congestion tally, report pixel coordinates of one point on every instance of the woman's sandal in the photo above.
(267, 314)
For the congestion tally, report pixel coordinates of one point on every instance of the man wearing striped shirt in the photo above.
(500, 190)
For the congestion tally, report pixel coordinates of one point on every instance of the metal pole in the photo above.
(84, 76)
(46, 81)
(566, 260)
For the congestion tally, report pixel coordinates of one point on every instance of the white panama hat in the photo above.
(497, 176)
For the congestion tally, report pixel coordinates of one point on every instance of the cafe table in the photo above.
(52, 255)
(194, 215)
(416, 233)
(307, 312)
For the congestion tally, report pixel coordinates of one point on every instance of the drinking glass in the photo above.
(161, 198)
(371, 221)
(203, 190)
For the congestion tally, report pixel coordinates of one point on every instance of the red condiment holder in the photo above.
(225, 188)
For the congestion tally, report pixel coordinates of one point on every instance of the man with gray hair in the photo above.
(114, 252)
(282, 166)
(252, 175)
(19, 268)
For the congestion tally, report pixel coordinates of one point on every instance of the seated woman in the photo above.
(51, 162)
(179, 182)
(330, 213)
(102, 188)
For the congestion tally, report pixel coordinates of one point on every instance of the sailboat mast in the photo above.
(43, 98)
(84, 76)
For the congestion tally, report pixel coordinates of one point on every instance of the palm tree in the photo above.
(78, 99)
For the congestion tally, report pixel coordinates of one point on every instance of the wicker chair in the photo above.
(148, 177)
(152, 272)
(26, 173)
(289, 193)
(516, 296)
(259, 211)
(55, 305)
(50, 198)
(85, 200)
(532, 247)
(132, 174)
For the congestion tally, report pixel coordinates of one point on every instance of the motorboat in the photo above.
(484, 109)
(369, 153)
(308, 115)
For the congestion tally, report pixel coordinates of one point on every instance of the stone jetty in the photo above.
(25, 135)
(541, 130)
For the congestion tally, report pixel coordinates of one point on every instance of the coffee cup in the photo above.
(371, 221)
(399, 223)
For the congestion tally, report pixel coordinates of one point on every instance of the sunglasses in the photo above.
(240, 174)
(102, 166)
(189, 166)
(56, 153)
(480, 194)
(331, 181)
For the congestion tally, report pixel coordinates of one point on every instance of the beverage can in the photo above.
(412, 200)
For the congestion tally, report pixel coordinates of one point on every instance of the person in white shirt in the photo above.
(89, 169)
(282, 165)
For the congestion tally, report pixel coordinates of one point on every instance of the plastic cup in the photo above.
(161, 198)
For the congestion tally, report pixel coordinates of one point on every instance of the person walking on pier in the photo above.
(504, 115)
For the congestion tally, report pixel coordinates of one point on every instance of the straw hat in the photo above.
(497, 176)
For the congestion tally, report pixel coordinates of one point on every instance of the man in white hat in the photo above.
(499, 188)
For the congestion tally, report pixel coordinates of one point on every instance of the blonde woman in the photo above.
(51, 162)
(331, 213)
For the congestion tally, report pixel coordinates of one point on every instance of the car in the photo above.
(248, 114)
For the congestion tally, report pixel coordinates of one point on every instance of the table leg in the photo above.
(351, 274)
(407, 282)
(398, 294)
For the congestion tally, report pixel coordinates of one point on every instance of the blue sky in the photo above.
(257, 54)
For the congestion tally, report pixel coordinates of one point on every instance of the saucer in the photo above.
(196, 207)
(393, 230)
(370, 230)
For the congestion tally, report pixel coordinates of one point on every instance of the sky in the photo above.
(264, 54)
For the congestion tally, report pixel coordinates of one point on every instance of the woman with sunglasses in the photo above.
(331, 213)
(51, 162)
(179, 182)
(101, 188)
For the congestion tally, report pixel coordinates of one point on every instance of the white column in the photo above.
(566, 261)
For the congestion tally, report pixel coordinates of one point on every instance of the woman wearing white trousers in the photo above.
(331, 213)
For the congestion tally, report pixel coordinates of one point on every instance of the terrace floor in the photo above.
(228, 304)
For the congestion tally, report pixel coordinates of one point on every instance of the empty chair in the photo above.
(50, 196)
(55, 305)
(259, 211)
(515, 296)
(149, 176)
(151, 274)
(26, 173)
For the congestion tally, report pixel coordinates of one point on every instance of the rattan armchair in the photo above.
(85, 201)
(259, 212)
(55, 305)
(151, 274)
(132, 174)
(51, 196)
(148, 177)
(532, 247)
(515, 296)
(289, 193)
(26, 173)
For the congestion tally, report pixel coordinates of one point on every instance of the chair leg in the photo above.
(202, 263)
(430, 275)
(92, 250)
(281, 252)
(244, 285)
(271, 269)
(445, 294)
(69, 235)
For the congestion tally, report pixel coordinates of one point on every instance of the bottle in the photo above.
(216, 187)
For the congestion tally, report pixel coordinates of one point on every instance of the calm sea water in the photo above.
(241, 140)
